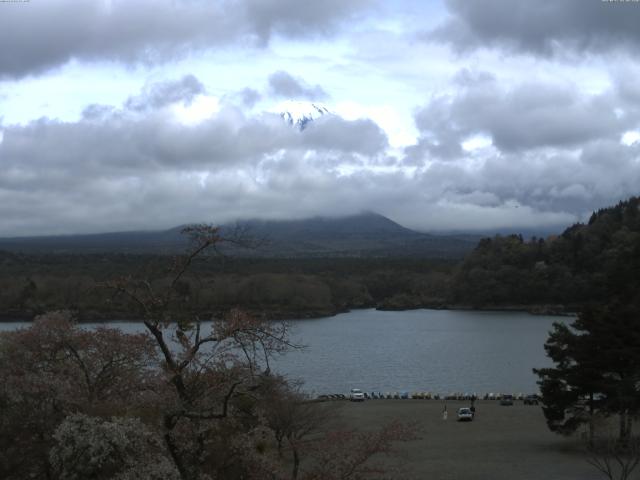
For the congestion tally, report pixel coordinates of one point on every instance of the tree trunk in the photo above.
(296, 459)
(624, 433)
(296, 463)
(169, 424)
(592, 427)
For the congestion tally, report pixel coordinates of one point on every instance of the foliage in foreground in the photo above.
(187, 399)
(79, 404)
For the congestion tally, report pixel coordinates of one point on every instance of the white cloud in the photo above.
(172, 119)
(476, 142)
(397, 125)
(630, 137)
(201, 108)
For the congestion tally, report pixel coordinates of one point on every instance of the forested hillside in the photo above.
(277, 288)
(586, 263)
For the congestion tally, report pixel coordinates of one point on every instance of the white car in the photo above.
(465, 414)
(356, 395)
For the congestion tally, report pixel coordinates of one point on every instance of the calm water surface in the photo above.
(421, 350)
(418, 350)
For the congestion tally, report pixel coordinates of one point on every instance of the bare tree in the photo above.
(616, 460)
(207, 366)
(343, 455)
(294, 418)
(196, 399)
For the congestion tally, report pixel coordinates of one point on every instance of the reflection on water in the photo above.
(419, 350)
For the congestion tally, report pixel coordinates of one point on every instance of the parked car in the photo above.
(465, 414)
(531, 400)
(506, 400)
(356, 395)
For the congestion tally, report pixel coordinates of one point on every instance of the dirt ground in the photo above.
(502, 442)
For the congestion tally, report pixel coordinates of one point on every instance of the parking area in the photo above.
(502, 442)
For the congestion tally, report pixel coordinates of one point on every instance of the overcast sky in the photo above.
(454, 114)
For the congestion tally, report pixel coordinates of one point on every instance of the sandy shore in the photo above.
(501, 443)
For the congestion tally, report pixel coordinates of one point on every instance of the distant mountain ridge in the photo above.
(363, 235)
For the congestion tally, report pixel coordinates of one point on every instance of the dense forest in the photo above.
(276, 288)
(586, 263)
(583, 264)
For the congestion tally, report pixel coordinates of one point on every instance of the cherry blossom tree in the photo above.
(192, 398)
(212, 370)
(54, 369)
(118, 449)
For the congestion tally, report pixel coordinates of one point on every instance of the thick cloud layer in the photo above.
(539, 146)
(545, 28)
(536, 124)
(283, 84)
(40, 35)
(139, 167)
(546, 160)
(522, 117)
(119, 163)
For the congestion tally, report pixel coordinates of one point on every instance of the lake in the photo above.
(438, 351)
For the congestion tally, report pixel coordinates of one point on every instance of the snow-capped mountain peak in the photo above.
(299, 113)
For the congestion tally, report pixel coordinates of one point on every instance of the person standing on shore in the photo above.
(444, 412)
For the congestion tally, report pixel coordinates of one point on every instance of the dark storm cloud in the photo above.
(157, 95)
(282, 84)
(40, 35)
(544, 28)
(522, 117)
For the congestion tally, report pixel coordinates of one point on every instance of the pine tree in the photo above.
(597, 370)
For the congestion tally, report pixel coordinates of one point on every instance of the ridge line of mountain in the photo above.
(364, 234)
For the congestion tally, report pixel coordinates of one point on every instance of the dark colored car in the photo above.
(506, 400)
(531, 400)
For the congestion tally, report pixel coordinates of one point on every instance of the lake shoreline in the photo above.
(108, 317)
(537, 309)
(415, 351)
